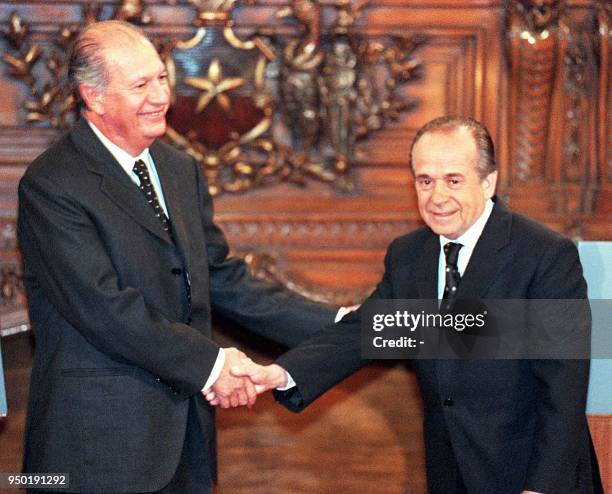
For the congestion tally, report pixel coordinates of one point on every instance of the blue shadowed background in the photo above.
(596, 260)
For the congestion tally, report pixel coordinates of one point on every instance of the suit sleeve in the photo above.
(563, 383)
(65, 258)
(327, 358)
(265, 309)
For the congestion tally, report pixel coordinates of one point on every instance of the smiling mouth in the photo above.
(155, 114)
(443, 215)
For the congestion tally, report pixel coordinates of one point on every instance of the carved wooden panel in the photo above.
(480, 58)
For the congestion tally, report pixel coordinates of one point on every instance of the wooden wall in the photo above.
(547, 107)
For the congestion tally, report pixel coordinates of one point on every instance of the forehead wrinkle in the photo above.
(121, 64)
(450, 132)
(440, 140)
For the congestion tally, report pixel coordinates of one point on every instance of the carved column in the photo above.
(537, 40)
(553, 114)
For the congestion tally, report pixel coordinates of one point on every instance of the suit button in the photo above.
(448, 402)
(177, 271)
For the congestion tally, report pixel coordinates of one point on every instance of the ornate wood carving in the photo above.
(366, 233)
(553, 116)
(255, 111)
(51, 99)
(11, 285)
(321, 238)
(266, 267)
(536, 34)
(8, 235)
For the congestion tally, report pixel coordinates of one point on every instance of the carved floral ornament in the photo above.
(267, 109)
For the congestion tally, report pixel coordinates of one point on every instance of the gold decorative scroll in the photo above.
(292, 110)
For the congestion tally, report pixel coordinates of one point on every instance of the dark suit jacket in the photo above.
(506, 425)
(120, 351)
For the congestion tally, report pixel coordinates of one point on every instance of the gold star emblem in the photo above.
(214, 86)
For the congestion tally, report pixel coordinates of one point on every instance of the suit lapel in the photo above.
(487, 260)
(173, 198)
(116, 184)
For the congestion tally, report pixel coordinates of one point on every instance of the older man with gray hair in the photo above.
(122, 264)
(490, 426)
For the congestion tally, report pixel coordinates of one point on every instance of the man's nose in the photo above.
(159, 93)
(439, 194)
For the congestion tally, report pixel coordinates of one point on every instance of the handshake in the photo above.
(241, 380)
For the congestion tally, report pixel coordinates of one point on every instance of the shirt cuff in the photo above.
(343, 311)
(216, 370)
(290, 383)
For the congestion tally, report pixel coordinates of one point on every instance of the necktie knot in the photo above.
(140, 169)
(451, 252)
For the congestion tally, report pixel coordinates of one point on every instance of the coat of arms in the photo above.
(254, 107)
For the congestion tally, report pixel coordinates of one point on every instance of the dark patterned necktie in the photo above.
(147, 189)
(451, 252)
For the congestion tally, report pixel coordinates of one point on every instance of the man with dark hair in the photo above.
(122, 264)
(490, 426)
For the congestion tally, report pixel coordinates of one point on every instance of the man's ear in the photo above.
(489, 183)
(93, 98)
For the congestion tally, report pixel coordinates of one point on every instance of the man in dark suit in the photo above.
(122, 264)
(490, 426)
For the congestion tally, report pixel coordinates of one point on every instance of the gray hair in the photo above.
(486, 151)
(87, 61)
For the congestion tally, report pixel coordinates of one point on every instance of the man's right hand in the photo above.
(229, 390)
(264, 377)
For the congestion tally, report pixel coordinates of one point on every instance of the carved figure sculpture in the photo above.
(338, 95)
(537, 40)
(302, 58)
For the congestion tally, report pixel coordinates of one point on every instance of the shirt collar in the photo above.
(125, 159)
(472, 234)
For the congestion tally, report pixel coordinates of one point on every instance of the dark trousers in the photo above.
(191, 476)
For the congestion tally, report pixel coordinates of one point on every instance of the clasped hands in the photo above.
(241, 380)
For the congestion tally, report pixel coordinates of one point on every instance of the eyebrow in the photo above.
(145, 78)
(448, 175)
